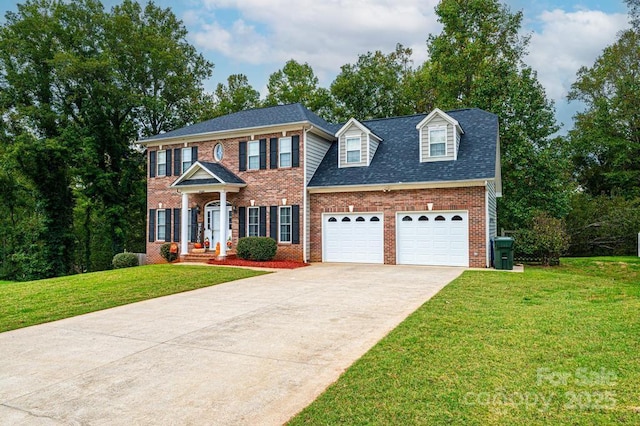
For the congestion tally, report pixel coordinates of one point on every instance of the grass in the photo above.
(549, 346)
(28, 303)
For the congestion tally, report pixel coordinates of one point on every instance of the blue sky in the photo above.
(256, 37)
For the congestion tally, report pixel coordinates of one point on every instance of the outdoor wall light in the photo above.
(350, 209)
(430, 206)
(284, 201)
(159, 205)
(253, 202)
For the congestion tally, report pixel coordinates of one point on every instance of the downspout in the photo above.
(305, 256)
(487, 219)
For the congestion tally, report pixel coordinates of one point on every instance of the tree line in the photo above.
(80, 84)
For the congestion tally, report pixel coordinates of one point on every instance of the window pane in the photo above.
(254, 148)
(438, 135)
(254, 219)
(186, 159)
(162, 163)
(353, 150)
(254, 155)
(285, 144)
(161, 225)
(436, 150)
(285, 224)
(285, 159)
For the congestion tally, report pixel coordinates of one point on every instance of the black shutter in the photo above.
(273, 222)
(295, 224)
(242, 222)
(168, 162)
(194, 225)
(273, 149)
(167, 223)
(152, 163)
(177, 163)
(263, 221)
(243, 156)
(176, 225)
(263, 154)
(295, 151)
(152, 225)
(194, 154)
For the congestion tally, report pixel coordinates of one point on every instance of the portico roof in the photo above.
(203, 176)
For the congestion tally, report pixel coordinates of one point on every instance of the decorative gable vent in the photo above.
(439, 137)
(357, 144)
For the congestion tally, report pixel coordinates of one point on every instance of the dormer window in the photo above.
(354, 147)
(437, 141)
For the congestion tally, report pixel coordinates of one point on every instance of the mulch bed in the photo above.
(278, 264)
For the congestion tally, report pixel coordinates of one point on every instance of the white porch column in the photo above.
(184, 225)
(224, 224)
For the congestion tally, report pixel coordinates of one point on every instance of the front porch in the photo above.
(198, 184)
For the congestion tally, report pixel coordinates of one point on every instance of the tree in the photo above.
(297, 82)
(605, 141)
(375, 86)
(477, 61)
(237, 95)
(78, 86)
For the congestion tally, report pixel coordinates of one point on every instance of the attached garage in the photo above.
(432, 238)
(353, 238)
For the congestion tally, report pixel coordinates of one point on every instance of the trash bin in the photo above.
(503, 253)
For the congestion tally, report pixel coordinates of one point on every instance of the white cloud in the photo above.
(567, 41)
(325, 34)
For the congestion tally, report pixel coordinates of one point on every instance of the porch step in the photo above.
(204, 257)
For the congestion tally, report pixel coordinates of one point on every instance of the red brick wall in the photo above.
(267, 187)
(471, 199)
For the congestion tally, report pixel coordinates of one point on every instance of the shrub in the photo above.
(165, 252)
(124, 260)
(256, 248)
(547, 239)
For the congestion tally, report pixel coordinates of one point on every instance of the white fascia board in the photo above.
(207, 188)
(233, 133)
(397, 186)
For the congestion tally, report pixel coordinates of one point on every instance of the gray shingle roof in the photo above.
(397, 158)
(260, 117)
(217, 169)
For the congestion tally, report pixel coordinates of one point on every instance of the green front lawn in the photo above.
(550, 346)
(28, 303)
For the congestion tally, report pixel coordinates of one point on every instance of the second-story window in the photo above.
(353, 149)
(162, 163)
(284, 152)
(253, 155)
(186, 159)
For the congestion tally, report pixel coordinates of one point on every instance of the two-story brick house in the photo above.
(418, 189)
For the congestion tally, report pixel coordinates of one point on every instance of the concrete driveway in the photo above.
(254, 351)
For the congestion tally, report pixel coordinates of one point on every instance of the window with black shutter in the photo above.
(263, 221)
(152, 163)
(273, 153)
(263, 154)
(242, 159)
(295, 151)
(295, 224)
(152, 225)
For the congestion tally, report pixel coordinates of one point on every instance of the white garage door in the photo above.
(433, 238)
(353, 237)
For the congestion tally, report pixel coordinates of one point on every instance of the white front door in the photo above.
(212, 224)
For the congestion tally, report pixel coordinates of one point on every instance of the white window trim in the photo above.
(257, 143)
(257, 224)
(158, 174)
(162, 223)
(182, 163)
(437, 128)
(280, 152)
(280, 224)
(346, 149)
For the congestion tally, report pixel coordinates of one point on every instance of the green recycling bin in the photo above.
(503, 253)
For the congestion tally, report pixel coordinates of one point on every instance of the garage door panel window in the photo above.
(456, 218)
(333, 219)
(360, 219)
(407, 219)
(346, 219)
(440, 218)
(374, 219)
(423, 219)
